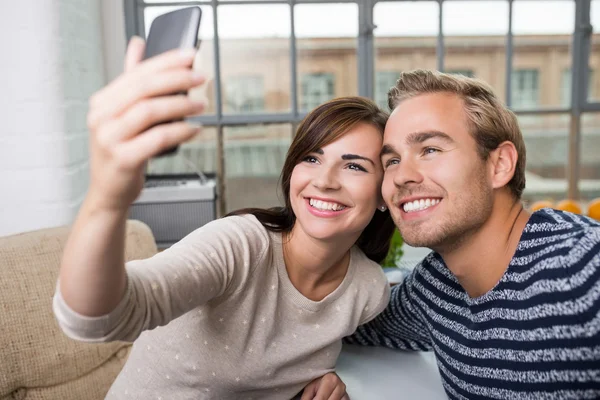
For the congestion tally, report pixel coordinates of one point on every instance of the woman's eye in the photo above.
(310, 159)
(357, 167)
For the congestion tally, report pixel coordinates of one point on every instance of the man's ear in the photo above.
(504, 161)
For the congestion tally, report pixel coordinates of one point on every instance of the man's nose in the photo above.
(407, 172)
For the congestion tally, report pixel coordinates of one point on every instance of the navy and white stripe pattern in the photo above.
(536, 335)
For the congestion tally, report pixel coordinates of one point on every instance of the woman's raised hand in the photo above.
(126, 121)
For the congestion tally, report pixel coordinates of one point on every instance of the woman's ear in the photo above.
(504, 161)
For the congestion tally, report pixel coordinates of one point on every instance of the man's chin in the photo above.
(418, 243)
(421, 239)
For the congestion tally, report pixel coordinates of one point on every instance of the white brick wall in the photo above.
(52, 61)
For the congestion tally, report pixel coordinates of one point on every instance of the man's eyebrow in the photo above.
(356, 157)
(387, 149)
(420, 137)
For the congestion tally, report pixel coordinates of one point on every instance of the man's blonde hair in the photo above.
(491, 122)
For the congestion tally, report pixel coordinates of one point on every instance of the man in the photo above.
(508, 301)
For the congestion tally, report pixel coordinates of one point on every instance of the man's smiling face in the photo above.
(436, 185)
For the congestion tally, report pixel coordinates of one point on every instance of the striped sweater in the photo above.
(535, 335)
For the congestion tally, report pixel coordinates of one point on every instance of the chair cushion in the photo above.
(34, 353)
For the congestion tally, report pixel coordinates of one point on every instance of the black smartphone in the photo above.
(174, 30)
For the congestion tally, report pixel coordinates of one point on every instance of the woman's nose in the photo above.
(326, 179)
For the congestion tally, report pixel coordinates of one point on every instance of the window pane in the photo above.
(255, 58)
(384, 81)
(525, 88)
(565, 86)
(171, 1)
(254, 156)
(405, 39)
(204, 59)
(317, 88)
(327, 65)
(475, 40)
(593, 89)
(244, 94)
(542, 50)
(547, 144)
(463, 72)
(589, 172)
(200, 154)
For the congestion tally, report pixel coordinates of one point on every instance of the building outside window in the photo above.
(565, 86)
(384, 80)
(525, 88)
(464, 72)
(244, 94)
(316, 88)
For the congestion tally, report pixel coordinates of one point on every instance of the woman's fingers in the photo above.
(154, 141)
(164, 74)
(144, 115)
(135, 52)
(339, 393)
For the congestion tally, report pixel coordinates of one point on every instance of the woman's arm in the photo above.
(129, 123)
(212, 261)
(92, 275)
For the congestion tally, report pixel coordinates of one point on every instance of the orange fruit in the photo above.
(538, 205)
(569, 205)
(594, 209)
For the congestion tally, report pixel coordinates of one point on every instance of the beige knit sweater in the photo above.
(216, 317)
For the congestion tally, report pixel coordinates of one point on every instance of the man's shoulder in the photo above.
(548, 220)
(553, 227)
(560, 235)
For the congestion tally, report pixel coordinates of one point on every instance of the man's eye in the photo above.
(391, 161)
(430, 150)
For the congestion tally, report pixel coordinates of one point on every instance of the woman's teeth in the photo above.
(419, 205)
(325, 206)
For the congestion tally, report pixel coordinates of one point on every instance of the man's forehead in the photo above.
(424, 115)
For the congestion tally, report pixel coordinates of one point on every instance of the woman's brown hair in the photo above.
(322, 126)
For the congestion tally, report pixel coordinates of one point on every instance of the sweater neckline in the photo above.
(536, 217)
(293, 294)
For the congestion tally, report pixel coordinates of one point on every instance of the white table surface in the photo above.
(375, 373)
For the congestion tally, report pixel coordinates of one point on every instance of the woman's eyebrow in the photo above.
(356, 157)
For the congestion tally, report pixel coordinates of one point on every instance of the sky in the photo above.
(405, 18)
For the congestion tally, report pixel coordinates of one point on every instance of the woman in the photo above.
(253, 305)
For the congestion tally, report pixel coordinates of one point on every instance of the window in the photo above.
(525, 88)
(317, 88)
(565, 86)
(384, 80)
(244, 94)
(332, 60)
(464, 72)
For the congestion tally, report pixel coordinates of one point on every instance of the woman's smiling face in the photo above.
(335, 190)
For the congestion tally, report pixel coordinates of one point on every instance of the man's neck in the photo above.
(480, 261)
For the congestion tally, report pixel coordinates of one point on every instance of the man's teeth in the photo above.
(326, 206)
(419, 205)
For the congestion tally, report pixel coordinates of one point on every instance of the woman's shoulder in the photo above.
(243, 223)
(236, 232)
(373, 288)
(367, 270)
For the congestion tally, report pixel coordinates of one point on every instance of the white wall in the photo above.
(53, 59)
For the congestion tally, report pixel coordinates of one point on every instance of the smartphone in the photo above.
(174, 30)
